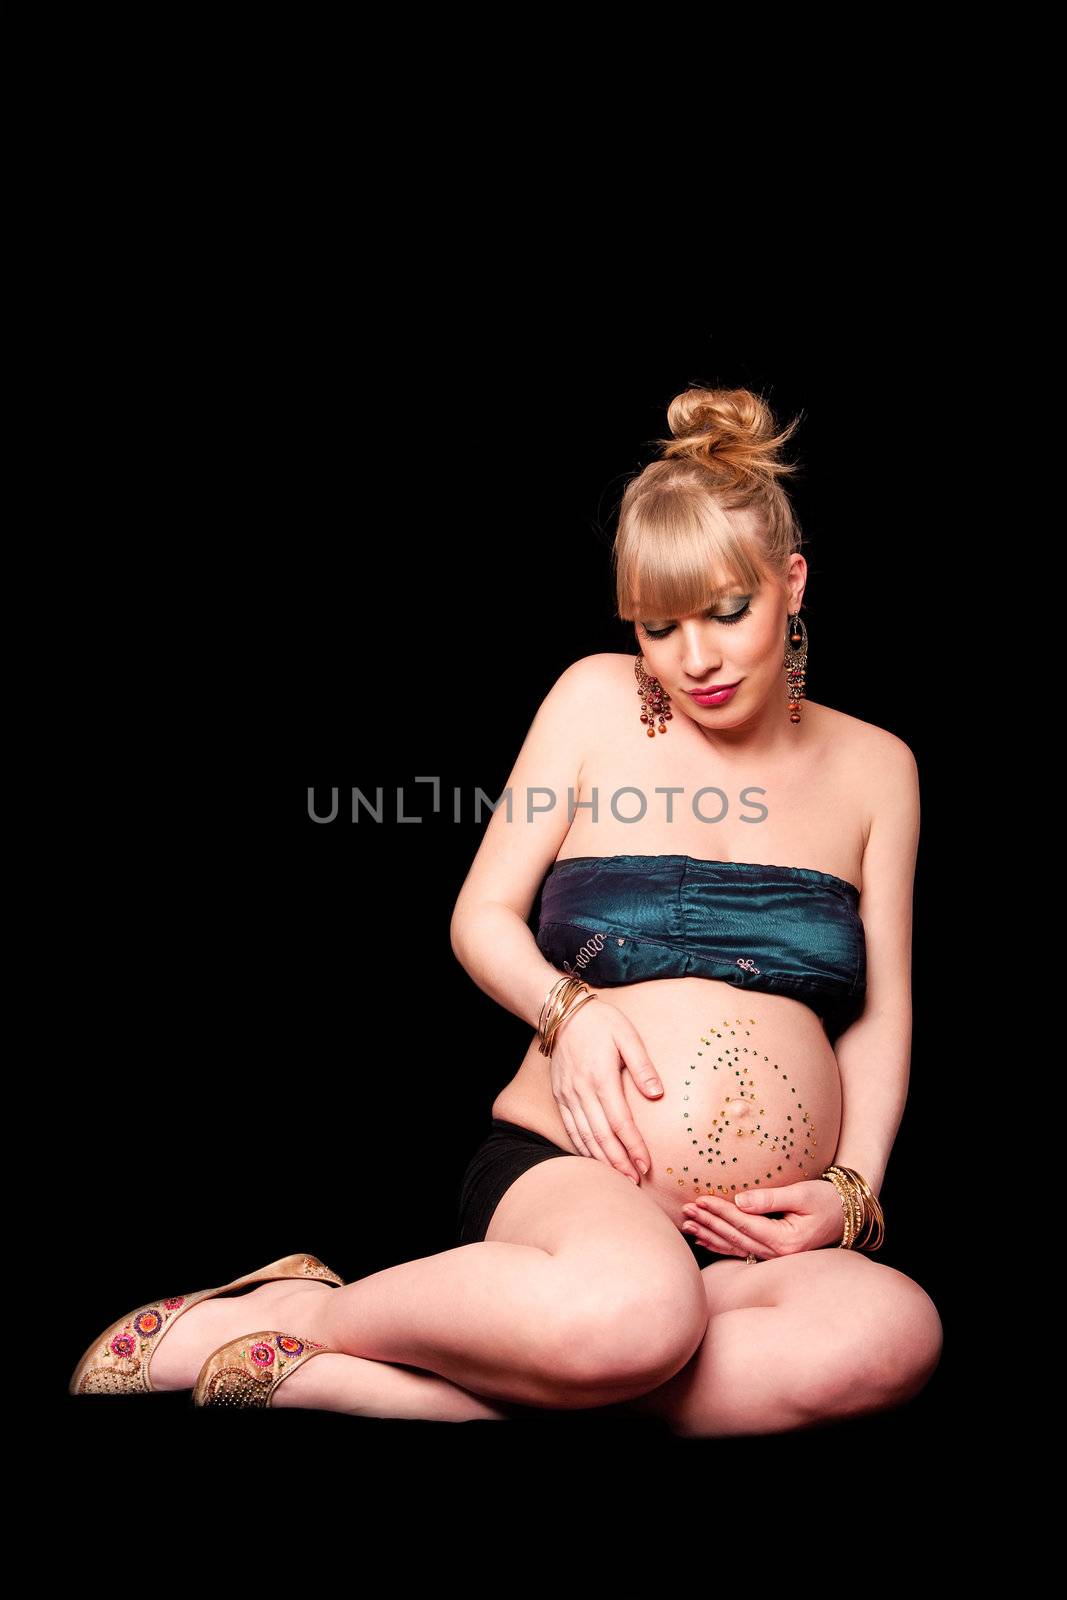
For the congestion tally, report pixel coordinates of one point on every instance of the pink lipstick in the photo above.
(716, 695)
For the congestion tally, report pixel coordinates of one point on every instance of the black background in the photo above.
(394, 531)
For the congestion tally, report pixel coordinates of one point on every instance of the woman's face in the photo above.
(740, 642)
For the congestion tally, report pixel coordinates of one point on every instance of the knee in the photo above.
(880, 1357)
(905, 1363)
(628, 1334)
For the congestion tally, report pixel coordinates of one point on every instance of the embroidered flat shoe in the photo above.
(119, 1361)
(245, 1372)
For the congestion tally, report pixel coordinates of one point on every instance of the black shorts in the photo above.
(503, 1155)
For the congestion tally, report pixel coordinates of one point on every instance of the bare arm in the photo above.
(489, 931)
(494, 944)
(874, 1054)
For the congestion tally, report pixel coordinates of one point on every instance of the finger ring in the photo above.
(752, 1258)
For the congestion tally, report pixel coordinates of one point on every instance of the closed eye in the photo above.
(729, 618)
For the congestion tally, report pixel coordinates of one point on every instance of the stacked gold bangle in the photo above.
(864, 1220)
(562, 1001)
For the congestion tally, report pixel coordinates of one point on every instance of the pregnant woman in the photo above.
(675, 1204)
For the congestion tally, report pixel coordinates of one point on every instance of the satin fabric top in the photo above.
(789, 930)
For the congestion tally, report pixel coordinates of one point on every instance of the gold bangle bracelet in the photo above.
(864, 1220)
(554, 1011)
(875, 1232)
(564, 1018)
(555, 997)
(560, 1002)
(839, 1184)
(872, 1232)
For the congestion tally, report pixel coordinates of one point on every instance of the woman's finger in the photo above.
(745, 1239)
(706, 1238)
(709, 1239)
(572, 1131)
(588, 1136)
(638, 1063)
(614, 1152)
(732, 1222)
(625, 1129)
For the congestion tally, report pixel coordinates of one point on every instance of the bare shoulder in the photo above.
(866, 742)
(877, 767)
(589, 687)
(605, 669)
(589, 696)
(582, 696)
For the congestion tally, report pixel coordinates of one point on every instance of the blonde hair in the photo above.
(678, 549)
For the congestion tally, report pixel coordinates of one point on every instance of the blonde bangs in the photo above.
(678, 554)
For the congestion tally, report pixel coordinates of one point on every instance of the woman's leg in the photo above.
(379, 1389)
(582, 1294)
(332, 1382)
(800, 1340)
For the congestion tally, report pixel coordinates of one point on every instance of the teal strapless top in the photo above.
(788, 930)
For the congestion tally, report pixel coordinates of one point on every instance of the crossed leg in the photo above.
(583, 1294)
(797, 1341)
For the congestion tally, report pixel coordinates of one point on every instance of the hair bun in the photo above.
(730, 431)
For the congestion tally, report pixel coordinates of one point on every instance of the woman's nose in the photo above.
(699, 655)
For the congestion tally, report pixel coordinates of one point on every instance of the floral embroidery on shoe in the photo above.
(291, 1345)
(122, 1345)
(172, 1305)
(262, 1355)
(148, 1323)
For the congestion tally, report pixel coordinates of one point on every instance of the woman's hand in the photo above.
(740, 1227)
(591, 1047)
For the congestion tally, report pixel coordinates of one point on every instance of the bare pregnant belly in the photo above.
(752, 1090)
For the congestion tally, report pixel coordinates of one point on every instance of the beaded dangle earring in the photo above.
(655, 701)
(796, 662)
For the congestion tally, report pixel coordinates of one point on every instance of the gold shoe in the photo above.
(246, 1372)
(118, 1361)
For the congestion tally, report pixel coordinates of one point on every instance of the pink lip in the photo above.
(719, 695)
